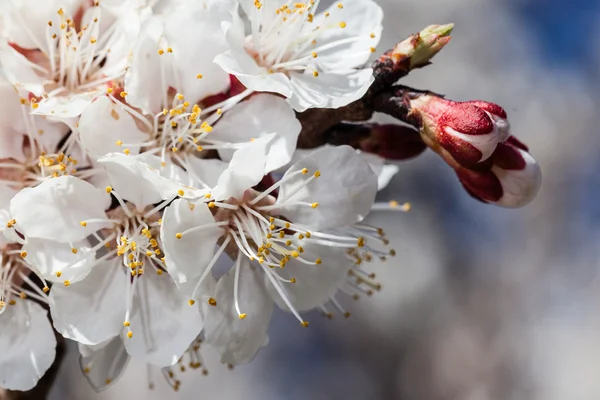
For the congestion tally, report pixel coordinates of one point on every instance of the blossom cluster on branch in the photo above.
(172, 170)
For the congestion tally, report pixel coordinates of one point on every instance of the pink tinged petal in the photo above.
(362, 20)
(12, 123)
(345, 190)
(27, 345)
(54, 209)
(72, 261)
(103, 365)
(246, 169)
(468, 149)
(519, 174)
(18, 71)
(103, 124)
(195, 19)
(315, 284)
(93, 310)
(254, 118)
(238, 340)
(189, 237)
(329, 89)
(162, 321)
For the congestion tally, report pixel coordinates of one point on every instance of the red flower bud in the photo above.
(468, 131)
(394, 142)
(512, 179)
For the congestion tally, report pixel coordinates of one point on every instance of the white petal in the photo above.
(103, 365)
(66, 108)
(315, 284)
(194, 19)
(49, 257)
(362, 20)
(208, 170)
(54, 209)
(27, 345)
(162, 321)
(345, 191)
(17, 69)
(92, 310)
(385, 172)
(246, 169)
(329, 89)
(188, 257)
(254, 118)
(238, 340)
(103, 123)
(144, 82)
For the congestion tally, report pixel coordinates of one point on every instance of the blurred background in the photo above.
(481, 303)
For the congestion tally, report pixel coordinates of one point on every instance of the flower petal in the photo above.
(50, 258)
(27, 345)
(187, 257)
(332, 89)
(92, 310)
(246, 169)
(253, 119)
(236, 339)
(207, 170)
(162, 321)
(54, 209)
(345, 191)
(315, 284)
(103, 123)
(103, 364)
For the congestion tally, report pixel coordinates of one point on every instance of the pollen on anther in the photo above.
(129, 334)
(161, 52)
(45, 289)
(315, 74)
(304, 324)
(191, 302)
(169, 50)
(212, 302)
(74, 250)
(199, 76)
(295, 254)
(23, 254)
(342, 24)
(317, 174)
(180, 192)
(372, 49)
(178, 235)
(109, 189)
(304, 171)
(67, 283)
(123, 94)
(118, 142)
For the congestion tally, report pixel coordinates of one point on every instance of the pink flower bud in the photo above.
(511, 178)
(468, 131)
(394, 142)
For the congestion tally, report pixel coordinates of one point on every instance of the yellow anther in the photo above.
(12, 302)
(406, 207)
(261, 260)
(169, 50)
(159, 271)
(372, 35)
(149, 253)
(178, 235)
(109, 189)
(199, 76)
(86, 370)
(49, 23)
(92, 40)
(22, 295)
(300, 249)
(342, 24)
(287, 225)
(293, 280)
(317, 173)
(211, 204)
(242, 315)
(271, 219)
(129, 334)
(67, 283)
(60, 12)
(360, 242)
(372, 49)
(179, 96)
(123, 94)
(191, 302)
(327, 14)
(109, 90)
(174, 149)
(199, 148)
(2, 305)
(281, 235)
(35, 105)
(46, 289)
(314, 205)
(307, 234)
(304, 324)
(347, 314)
(212, 302)
(180, 192)
(314, 54)
(318, 261)
(315, 74)
(118, 142)
(23, 254)
(186, 104)
(392, 252)
(74, 250)
(295, 254)
(174, 124)
(161, 52)
(269, 235)
(219, 111)
(304, 171)
(288, 242)
(271, 227)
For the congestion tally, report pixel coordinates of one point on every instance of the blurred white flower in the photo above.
(314, 60)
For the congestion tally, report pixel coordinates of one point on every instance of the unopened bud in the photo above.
(394, 142)
(511, 180)
(466, 130)
(421, 47)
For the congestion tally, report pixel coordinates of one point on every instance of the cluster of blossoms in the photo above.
(152, 194)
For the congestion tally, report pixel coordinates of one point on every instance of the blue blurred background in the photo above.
(481, 303)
